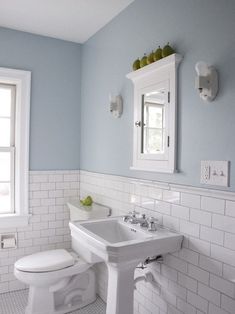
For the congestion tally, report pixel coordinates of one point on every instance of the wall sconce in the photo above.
(116, 105)
(206, 81)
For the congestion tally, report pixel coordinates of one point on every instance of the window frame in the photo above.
(11, 148)
(22, 80)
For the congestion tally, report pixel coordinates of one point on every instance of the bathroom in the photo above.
(77, 135)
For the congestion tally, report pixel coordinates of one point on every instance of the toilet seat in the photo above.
(46, 261)
(43, 278)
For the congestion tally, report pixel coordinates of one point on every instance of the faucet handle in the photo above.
(133, 213)
(125, 218)
(152, 223)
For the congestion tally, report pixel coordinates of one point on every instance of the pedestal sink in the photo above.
(122, 246)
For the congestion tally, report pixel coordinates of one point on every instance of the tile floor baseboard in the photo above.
(15, 303)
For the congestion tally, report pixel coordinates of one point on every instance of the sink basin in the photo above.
(115, 241)
(114, 231)
(122, 246)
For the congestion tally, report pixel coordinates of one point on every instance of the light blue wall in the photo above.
(200, 30)
(55, 97)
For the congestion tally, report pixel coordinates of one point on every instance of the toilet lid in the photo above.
(45, 261)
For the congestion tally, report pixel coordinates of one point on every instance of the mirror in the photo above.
(155, 115)
(153, 126)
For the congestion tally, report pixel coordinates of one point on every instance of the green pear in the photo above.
(158, 54)
(167, 51)
(143, 61)
(136, 65)
(82, 202)
(87, 201)
(150, 58)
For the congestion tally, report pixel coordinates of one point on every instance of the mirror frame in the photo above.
(162, 71)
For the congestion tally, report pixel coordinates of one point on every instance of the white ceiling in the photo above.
(73, 20)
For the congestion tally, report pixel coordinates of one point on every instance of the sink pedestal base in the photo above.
(120, 288)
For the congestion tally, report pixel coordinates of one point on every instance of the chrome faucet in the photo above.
(152, 223)
(141, 220)
(149, 223)
(131, 217)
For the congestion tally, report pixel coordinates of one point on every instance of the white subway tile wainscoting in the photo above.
(48, 224)
(199, 279)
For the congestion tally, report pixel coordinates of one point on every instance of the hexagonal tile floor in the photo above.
(15, 302)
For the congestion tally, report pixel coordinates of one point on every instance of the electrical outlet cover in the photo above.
(215, 172)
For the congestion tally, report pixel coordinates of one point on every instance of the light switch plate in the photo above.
(214, 172)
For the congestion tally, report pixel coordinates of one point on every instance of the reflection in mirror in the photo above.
(153, 127)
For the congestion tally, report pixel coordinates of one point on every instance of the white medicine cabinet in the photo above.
(155, 115)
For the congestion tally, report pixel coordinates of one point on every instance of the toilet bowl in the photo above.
(59, 281)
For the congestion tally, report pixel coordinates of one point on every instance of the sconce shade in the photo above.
(206, 81)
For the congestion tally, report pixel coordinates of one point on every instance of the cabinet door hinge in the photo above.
(168, 141)
(169, 97)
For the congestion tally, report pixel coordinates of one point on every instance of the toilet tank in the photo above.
(80, 212)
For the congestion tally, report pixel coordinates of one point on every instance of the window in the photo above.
(7, 147)
(14, 144)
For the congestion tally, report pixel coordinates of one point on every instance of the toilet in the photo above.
(60, 281)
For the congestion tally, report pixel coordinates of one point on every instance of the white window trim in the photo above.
(22, 80)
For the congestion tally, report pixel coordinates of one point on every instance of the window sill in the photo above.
(13, 221)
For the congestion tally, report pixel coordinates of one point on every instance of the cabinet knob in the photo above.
(138, 123)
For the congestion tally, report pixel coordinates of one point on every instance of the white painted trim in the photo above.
(154, 184)
(159, 170)
(41, 172)
(203, 191)
(22, 80)
(166, 186)
(151, 68)
(13, 221)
